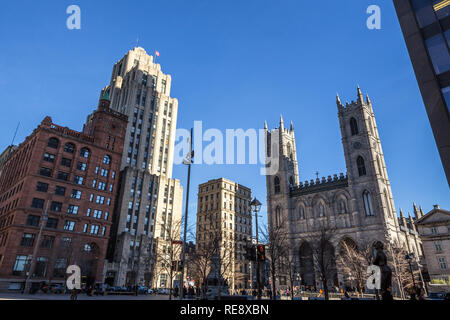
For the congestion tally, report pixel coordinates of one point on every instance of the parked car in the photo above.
(150, 291)
(437, 296)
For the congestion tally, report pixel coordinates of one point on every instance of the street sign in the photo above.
(177, 242)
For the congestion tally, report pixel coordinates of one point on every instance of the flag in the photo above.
(157, 53)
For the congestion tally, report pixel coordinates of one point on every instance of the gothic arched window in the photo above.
(367, 199)
(276, 183)
(353, 126)
(361, 166)
(278, 216)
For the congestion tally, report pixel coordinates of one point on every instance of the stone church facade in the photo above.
(358, 206)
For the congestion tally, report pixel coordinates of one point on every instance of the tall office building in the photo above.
(224, 213)
(150, 200)
(426, 29)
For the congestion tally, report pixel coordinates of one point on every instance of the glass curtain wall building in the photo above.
(426, 29)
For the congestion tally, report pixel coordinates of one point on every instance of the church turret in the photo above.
(364, 159)
(360, 95)
(416, 211)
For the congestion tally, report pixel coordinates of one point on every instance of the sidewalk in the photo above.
(43, 296)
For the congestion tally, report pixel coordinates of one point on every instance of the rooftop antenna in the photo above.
(15, 133)
(317, 174)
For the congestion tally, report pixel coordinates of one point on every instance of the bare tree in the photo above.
(401, 271)
(200, 263)
(323, 255)
(353, 261)
(222, 260)
(288, 265)
(169, 252)
(276, 236)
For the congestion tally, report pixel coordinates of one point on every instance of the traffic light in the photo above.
(261, 252)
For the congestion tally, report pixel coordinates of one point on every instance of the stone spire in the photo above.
(416, 211)
(292, 126)
(402, 217)
(411, 222)
(360, 95)
(281, 122)
(338, 99)
(265, 125)
(421, 212)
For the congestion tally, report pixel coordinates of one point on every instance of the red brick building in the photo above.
(66, 180)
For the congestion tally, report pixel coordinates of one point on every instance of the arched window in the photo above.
(367, 199)
(354, 126)
(278, 216)
(276, 183)
(106, 159)
(361, 166)
(53, 143)
(84, 152)
(69, 147)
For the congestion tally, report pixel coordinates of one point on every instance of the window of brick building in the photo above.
(56, 206)
(53, 143)
(60, 191)
(52, 223)
(69, 147)
(45, 172)
(37, 203)
(47, 242)
(49, 157)
(63, 176)
(33, 220)
(42, 187)
(27, 240)
(66, 162)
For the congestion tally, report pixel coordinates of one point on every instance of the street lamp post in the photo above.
(256, 206)
(188, 161)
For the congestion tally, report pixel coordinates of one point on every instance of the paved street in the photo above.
(19, 296)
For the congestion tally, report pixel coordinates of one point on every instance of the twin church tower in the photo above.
(359, 206)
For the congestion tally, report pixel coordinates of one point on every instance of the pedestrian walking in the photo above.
(73, 294)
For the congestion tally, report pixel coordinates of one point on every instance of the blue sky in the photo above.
(234, 64)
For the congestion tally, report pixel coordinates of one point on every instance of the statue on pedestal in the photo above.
(380, 260)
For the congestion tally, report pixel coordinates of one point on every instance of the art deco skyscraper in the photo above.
(150, 200)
